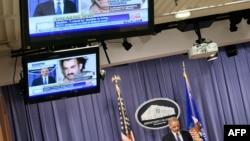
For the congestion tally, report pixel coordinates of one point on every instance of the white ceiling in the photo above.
(166, 9)
(164, 13)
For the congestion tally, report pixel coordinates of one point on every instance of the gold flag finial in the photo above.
(115, 79)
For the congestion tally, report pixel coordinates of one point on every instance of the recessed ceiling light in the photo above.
(183, 14)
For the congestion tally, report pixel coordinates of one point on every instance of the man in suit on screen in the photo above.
(44, 79)
(55, 7)
(176, 134)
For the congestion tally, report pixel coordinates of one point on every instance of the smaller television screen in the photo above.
(61, 74)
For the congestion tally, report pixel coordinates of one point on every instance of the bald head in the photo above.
(174, 124)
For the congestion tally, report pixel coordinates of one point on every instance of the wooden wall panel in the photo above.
(5, 134)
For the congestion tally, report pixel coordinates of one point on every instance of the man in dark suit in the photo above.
(44, 79)
(51, 7)
(176, 134)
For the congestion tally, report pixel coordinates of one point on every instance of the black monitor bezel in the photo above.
(84, 37)
(55, 55)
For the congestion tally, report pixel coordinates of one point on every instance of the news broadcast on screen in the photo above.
(86, 78)
(85, 18)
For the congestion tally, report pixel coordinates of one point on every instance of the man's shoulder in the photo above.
(69, 2)
(51, 78)
(38, 78)
(36, 81)
(46, 3)
(184, 132)
(167, 136)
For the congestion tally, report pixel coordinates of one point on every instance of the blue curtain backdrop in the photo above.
(220, 88)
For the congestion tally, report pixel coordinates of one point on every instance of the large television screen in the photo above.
(47, 23)
(61, 74)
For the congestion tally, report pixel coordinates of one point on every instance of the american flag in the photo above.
(126, 132)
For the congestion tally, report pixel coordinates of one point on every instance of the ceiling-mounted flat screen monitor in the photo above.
(61, 74)
(47, 23)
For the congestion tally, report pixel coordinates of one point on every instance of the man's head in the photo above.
(44, 72)
(102, 4)
(174, 124)
(71, 67)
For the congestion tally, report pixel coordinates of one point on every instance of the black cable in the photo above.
(104, 46)
(198, 33)
(14, 75)
(20, 85)
(176, 2)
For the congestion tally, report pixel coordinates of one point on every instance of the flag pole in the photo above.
(194, 123)
(126, 132)
(115, 79)
(183, 67)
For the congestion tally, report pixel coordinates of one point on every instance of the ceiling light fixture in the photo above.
(231, 50)
(183, 14)
(235, 18)
(126, 44)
